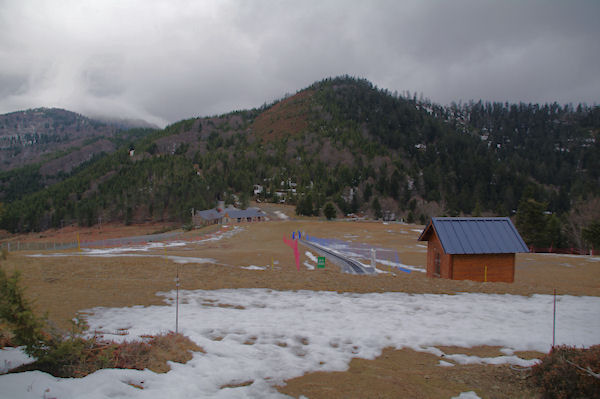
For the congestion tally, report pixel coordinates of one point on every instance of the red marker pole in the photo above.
(294, 245)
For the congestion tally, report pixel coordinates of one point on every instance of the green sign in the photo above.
(321, 262)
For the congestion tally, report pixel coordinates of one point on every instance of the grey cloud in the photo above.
(167, 60)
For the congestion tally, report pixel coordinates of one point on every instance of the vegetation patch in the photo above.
(78, 357)
(73, 355)
(6, 336)
(238, 384)
(286, 118)
(406, 373)
(569, 372)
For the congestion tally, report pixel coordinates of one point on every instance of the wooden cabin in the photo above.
(478, 249)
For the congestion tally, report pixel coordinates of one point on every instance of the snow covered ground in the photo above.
(313, 258)
(281, 215)
(11, 358)
(145, 249)
(266, 337)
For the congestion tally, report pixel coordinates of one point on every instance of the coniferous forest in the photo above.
(345, 142)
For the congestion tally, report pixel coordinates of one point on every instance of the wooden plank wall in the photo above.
(500, 267)
(435, 246)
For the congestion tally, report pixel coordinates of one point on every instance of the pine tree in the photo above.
(377, 208)
(329, 211)
(592, 234)
(305, 206)
(17, 312)
(532, 222)
(477, 210)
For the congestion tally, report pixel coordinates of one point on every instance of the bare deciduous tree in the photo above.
(582, 214)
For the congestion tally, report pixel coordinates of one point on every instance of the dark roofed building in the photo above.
(222, 215)
(479, 249)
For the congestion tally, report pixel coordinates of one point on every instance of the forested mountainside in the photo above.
(42, 146)
(345, 141)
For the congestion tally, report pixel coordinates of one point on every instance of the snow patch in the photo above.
(311, 256)
(507, 351)
(514, 360)
(467, 395)
(13, 357)
(401, 266)
(141, 250)
(268, 336)
(253, 267)
(281, 215)
(182, 260)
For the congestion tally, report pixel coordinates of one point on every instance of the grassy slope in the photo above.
(64, 286)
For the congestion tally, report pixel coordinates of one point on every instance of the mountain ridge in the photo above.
(345, 141)
(33, 135)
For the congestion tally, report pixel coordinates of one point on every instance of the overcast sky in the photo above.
(164, 61)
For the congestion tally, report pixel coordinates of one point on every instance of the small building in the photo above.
(478, 249)
(229, 215)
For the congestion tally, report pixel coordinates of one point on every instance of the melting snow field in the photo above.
(264, 337)
(142, 250)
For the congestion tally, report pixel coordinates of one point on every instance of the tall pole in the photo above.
(554, 321)
(177, 302)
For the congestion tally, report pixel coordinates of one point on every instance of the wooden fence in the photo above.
(12, 246)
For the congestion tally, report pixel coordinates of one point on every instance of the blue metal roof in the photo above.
(245, 213)
(209, 214)
(476, 235)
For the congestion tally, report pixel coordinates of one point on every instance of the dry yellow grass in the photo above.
(62, 285)
(66, 284)
(169, 348)
(409, 374)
